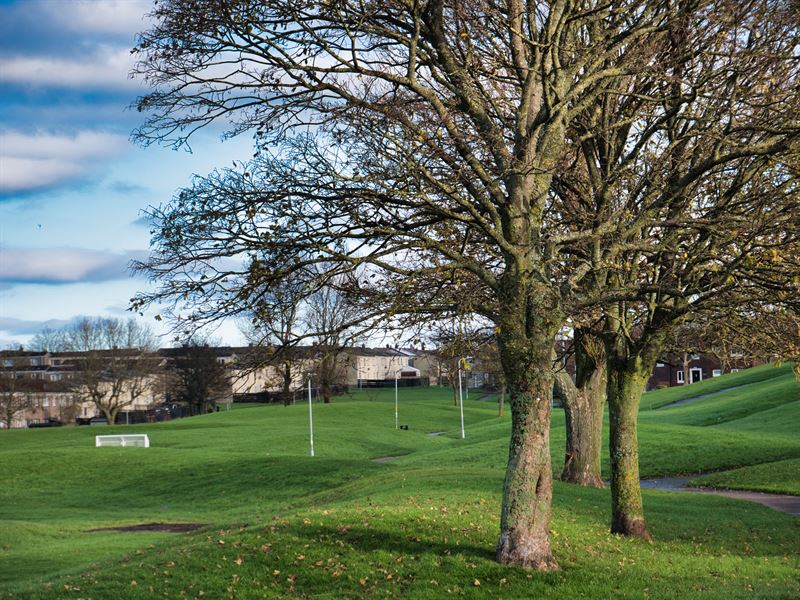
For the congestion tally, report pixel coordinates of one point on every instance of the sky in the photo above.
(72, 185)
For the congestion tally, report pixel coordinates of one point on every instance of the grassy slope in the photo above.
(341, 525)
(779, 477)
(661, 397)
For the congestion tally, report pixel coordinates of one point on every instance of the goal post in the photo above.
(129, 439)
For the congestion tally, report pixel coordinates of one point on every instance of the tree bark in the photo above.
(626, 381)
(528, 486)
(110, 414)
(583, 412)
(287, 383)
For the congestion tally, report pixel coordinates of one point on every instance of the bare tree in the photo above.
(12, 402)
(115, 362)
(329, 319)
(455, 342)
(47, 340)
(740, 335)
(274, 329)
(426, 148)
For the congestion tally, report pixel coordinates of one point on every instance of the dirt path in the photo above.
(780, 502)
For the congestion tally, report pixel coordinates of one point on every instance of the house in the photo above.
(374, 367)
(42, 385)
(690, 368)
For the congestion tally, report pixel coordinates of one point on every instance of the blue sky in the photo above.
(72, 187)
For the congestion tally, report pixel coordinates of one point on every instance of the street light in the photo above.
(461, 402)
(396, 417)
(310, 416)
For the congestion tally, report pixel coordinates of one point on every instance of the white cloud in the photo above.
(107, 67)
(19, 173)
(40, 160)
(63, 265)
(98, 16)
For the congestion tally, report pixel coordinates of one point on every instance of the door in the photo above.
(696, 375)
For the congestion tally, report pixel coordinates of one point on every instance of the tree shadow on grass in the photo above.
(374, 539)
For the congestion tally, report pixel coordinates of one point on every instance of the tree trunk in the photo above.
(287, 383)
(326, 393)
(109, 413)
(626, 381)
(686, 374)
(528, 487)
(583, 412)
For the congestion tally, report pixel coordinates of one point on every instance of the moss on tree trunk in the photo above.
(626, 380)
(528, 486)
(583, 411)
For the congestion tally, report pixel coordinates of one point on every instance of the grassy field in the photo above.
(276, 523)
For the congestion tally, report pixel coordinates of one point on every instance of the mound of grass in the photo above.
(781, 477)
(780, 421)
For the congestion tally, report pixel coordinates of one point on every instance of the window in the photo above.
(7, 362)
(695, 357)
(659, 364)
(716, 372)
(680, 376)
(734, 370)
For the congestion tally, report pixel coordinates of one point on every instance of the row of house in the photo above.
(43, 379)
(46, 380)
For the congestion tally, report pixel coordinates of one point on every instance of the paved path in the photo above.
(385, 459)
(701, 396)
(780, 502)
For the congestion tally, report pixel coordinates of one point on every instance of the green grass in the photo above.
(780, 477)
(278, 523)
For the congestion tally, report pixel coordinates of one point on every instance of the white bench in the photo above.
(130, 439)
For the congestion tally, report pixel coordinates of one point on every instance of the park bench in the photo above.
(131, 439)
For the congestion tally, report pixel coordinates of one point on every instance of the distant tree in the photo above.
(753, 333)
(487, 355)
(274, 330)
(200, 379)
(47, 340)
(11, 401)
(114, 360)
(455, 342)
(330, 317)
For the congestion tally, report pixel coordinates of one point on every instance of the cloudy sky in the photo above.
(71, 184)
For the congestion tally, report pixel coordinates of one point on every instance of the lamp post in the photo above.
(310, 416)
(396, 414)
(461, 402)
